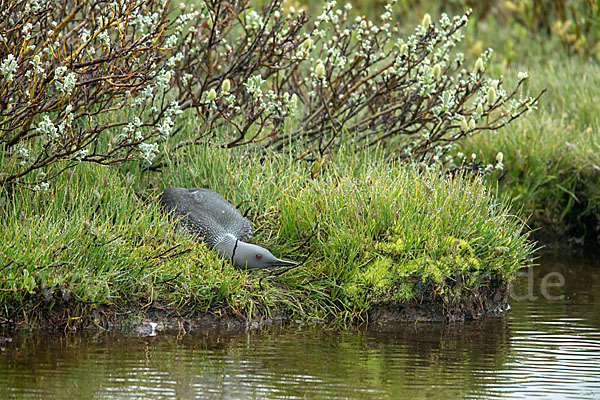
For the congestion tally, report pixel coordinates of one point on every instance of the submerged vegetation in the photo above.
(341, 139)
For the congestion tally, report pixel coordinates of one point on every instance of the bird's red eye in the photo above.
(259, 256)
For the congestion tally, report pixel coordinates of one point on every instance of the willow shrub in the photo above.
(339, 78)
(105, 82)
(82, 82)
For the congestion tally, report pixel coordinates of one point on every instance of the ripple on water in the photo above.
(540, 349)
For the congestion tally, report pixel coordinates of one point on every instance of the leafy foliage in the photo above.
(341, 78)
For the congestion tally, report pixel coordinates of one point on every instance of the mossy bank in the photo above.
(96, 250)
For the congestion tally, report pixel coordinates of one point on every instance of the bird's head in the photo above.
(251, 256)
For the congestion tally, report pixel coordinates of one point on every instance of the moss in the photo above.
(446, 274)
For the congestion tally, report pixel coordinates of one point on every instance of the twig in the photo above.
(170, 279)
(6, 265)
(171, 257)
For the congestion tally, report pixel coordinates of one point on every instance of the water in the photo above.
(547, 346)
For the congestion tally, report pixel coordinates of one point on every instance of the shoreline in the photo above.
(66, 314)
(483, 302)
(150, 320)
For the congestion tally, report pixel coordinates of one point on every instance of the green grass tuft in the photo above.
(371, 233)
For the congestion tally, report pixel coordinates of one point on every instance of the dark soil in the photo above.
(480, 303)
(154, 318)
(73, 316)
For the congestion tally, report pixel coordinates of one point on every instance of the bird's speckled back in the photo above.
(207, 214)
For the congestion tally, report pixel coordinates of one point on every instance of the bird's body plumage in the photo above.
(206, 214)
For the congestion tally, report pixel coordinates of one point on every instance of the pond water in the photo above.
(547, 346)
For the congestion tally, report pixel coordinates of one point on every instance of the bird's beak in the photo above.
(283, 263)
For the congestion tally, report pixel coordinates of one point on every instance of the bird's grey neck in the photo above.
(227, 245)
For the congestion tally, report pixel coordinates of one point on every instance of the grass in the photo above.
(552, 157)
(97, 237)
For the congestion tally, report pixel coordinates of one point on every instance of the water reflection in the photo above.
(541, 348)
(555, 344)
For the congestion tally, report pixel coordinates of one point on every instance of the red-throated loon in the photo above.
(207, 215)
